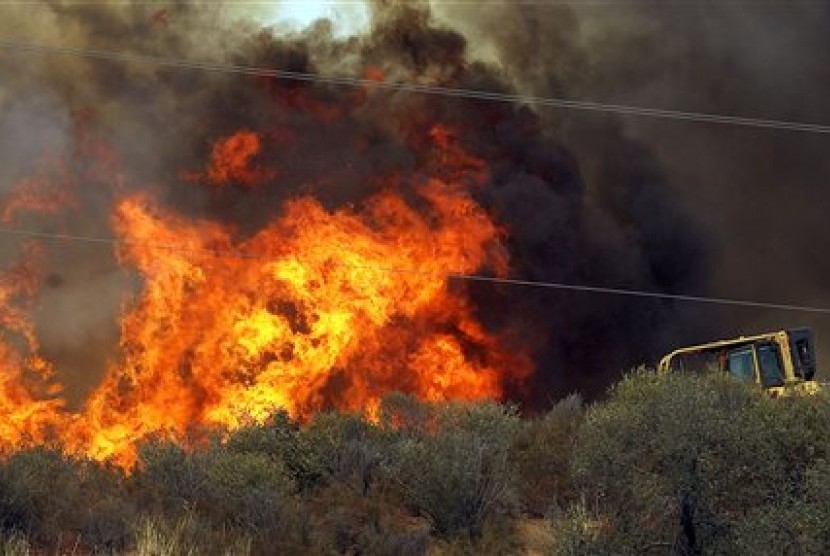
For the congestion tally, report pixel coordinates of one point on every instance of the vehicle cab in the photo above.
(775, 360)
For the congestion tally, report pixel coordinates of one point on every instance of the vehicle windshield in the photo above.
(770, 364)
(803, 362)
(742, 364)
(695, 362)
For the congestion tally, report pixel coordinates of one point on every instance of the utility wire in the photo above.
(475, 94)
(435, 90)
(447, 275)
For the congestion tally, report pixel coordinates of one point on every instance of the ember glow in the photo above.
(320, 308)
(244, 243)
(233, 160)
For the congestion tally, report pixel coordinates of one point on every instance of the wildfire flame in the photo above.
(317, 309)
(233, 161)
(25, 383)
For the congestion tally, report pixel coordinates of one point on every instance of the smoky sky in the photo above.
(585, 198)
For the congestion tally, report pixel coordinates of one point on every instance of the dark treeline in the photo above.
(666, 464)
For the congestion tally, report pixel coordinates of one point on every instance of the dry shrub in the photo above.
(239, 493)
(703, 464)
(56, 500)
(186, 536)
(457, 471)
(345, 521)
(543, 451)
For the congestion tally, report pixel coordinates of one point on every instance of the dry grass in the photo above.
(536, 536)
(16, 545)
(152, 539)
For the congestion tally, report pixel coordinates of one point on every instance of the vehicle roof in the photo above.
(732, 342)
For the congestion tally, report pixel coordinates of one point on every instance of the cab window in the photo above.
(742, 364)
(695, 362)
(802, 348)
(770, 363)
(805, 366)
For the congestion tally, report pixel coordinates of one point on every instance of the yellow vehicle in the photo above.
(775, 360)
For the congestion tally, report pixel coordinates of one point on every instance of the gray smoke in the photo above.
(586, 198)
(754, 200)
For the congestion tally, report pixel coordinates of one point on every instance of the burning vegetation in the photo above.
(286, 245)
(316, 309)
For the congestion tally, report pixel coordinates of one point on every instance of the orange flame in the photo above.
(317, 309)
(233, 161)
(25, 378)
(50, 191)
(374, 73)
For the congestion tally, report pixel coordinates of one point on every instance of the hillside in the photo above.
(669, 464)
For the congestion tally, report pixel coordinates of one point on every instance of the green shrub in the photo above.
(458, 471)
(280, 438)
(166, 479)
(543, 451)
(579, 532)
(345, 448)
(39, 492)
(246, 492)
(406, 415)
(697, 464)
(795, 525)
(345, 521)
(107, 511)
(52, 498)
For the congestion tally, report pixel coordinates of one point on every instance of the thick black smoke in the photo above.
(585, 199)
(759, 197)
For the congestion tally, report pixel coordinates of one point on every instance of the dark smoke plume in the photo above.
(757, 198)
(586, 199)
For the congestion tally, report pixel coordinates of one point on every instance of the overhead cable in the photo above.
(473, 94)
(446, 275)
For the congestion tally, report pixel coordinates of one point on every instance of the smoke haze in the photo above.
(583, 198)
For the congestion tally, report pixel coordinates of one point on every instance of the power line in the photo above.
(446, 275)
(475, 94)
(444, 91)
